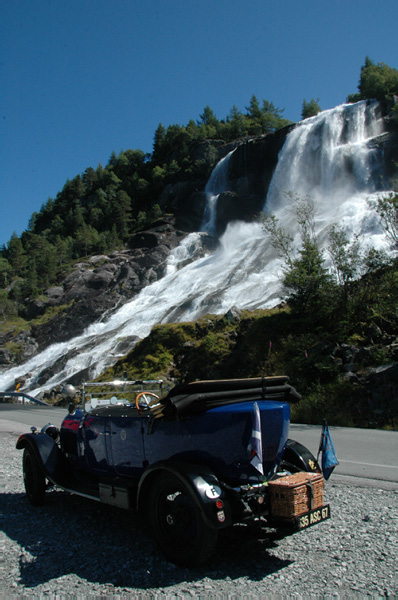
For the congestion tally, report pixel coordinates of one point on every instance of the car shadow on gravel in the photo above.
(106, 545)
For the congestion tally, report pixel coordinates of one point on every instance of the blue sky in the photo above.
(81, 78)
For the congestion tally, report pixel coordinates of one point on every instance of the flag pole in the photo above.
(324, 425)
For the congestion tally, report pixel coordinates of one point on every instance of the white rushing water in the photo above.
(329, 159)
(326, 157)
(218, 183)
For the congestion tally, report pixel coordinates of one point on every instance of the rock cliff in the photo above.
(94, 288)
(98, 285)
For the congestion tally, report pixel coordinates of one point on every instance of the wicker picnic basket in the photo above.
(294, 495)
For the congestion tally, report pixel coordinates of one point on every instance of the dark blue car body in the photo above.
(183, 458)
(115, 441)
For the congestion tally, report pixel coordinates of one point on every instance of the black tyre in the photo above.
(297, 457)
(177, 523)
(34, 480)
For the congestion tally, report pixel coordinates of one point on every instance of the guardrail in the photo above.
(24, 397)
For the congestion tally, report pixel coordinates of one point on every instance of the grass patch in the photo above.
(14, 325)
(51, 312)
(15, 350)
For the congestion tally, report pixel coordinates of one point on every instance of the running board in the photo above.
(76, 492)
(108, 494)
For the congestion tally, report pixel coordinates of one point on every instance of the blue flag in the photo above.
(255, 445)
(326, 446)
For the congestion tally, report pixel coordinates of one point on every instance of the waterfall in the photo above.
(215, 186)
(327, 157)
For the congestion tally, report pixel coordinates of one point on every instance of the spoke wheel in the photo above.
(34, 480)
(177, 523)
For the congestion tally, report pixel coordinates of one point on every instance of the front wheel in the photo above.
(177, 523)
(34, 480)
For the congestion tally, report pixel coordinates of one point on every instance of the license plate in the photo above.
(312, 517)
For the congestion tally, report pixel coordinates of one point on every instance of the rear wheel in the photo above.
(34, 480)
(297, 457)
(177, 523)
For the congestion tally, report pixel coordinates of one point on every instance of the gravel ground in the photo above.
(75, 548)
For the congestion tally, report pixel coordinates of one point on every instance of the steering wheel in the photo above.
(143, 399)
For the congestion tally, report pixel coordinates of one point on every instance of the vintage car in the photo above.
(196, 459)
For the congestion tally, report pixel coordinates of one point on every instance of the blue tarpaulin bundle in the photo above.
(326, 446)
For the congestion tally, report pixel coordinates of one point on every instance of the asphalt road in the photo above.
(32, 414)
(367, 457)
(369, 454)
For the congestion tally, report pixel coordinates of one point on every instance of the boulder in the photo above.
(233, 315)
(144, 239)
(5, 358)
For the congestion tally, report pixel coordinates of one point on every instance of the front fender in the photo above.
(205, 487)
(45, 450)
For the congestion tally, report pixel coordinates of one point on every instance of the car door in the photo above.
(127, 427)
(96, 435)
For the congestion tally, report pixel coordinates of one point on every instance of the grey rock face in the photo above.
(102, 283)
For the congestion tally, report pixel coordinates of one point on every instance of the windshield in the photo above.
(127, 393)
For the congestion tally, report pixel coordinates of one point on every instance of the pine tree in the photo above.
(16, 255)
(310, 109)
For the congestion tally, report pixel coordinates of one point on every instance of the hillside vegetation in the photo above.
(336, 336)
(99, 209)
(334, 329)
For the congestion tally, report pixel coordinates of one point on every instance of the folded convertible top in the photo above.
(199, 396)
